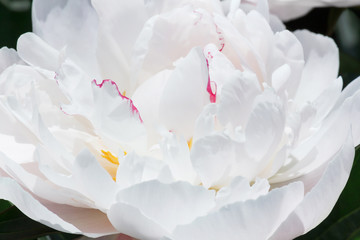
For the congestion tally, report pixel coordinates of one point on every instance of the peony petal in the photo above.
(91, 222)
(177, 155)
(185, 91)
(240, 191)
(265, 125)
(252, 219)
(135, 169)
(182, 204)
(238, 94)
(147, 100)
(36, 52)
(71, 25)
(115, 114)
(32, 179)
(8, 57)
(318, 203)
(287, 51)
(322, 64)
(157, 48)
(213, 159)
(131, 221)
(12, 191)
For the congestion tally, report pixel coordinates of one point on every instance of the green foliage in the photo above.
(15, 225)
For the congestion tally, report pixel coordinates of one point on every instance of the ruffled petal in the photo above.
(185, 92)
(252, 219)
(183, 203)
(71, 26)
(8, 57)
(318, 203)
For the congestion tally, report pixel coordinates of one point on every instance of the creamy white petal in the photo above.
(213, 159)
(265, 125)
(68, 25)
(239, 190)
(185, 91)
(183, 203)
(11, 190)
(131, 221)
(252, 219)
(321, 68)
(237, 96)
(176, 154)
(35, 51)
(157, 48)
(318, 203)
(8, 57)
(135, 169)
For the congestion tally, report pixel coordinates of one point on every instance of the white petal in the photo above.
(88, 178)
(237, 96)
(131, 221)
(8, 57)
(11, 191)
(239, 191)
(177, 156)
(287, 51)
(115, 114)
(318, 203)
(32, 179)
(265, 125)
(182, 204)
(321, 65)
(252, 219)
(185, 91)
(135, 169)
(164, 39)
(147, 100)
(71, 25)
(35, 51)
(213, 159)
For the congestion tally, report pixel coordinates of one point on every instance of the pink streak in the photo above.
(133, 108)
(200, 17)
(208, 88)
(221, 37)
(217, 29)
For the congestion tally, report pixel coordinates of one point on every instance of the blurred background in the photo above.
(343, 25)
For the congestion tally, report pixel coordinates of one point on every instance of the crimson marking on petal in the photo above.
(61, 108)
(133, 108)
(200, 17)
(208, 87)
(221, 37)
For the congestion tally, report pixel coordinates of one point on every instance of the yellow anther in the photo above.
(110, 157)
(190, 142)
(124, 93)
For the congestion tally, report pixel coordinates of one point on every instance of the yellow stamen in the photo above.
(124, 93)
(190, 142)
(110, 157)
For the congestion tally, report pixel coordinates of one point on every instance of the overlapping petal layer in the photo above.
(184, 120)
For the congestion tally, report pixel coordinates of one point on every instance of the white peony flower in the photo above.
(290, 9)
(206, 126)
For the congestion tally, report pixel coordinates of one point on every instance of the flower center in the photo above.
(112, 163)
(110, 157)
(190, 142)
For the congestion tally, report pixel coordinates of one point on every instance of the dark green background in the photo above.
(344, 220)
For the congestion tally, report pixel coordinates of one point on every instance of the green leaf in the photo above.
(4, 205)
(344, 228)
(15, 225)
(333, 17)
